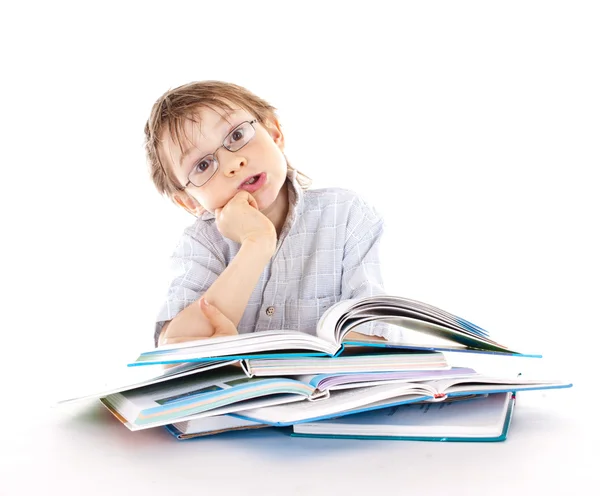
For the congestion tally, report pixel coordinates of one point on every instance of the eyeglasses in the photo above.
(206, 167)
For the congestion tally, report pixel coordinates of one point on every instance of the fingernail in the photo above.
(205, 302)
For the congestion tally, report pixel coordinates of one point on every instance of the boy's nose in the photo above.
(232, 165)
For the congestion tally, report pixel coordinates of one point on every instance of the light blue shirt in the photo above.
(327, 251)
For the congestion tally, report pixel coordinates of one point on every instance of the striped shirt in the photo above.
(327, 251)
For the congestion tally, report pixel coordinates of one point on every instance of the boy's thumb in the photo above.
(221, 324)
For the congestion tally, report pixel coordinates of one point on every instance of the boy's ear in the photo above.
(274, 129)
(189, 203)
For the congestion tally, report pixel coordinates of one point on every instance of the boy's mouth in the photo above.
(253, 183)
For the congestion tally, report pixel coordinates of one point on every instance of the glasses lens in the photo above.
(239, 137)
(203, 170)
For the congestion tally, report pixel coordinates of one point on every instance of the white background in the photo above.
(471, 126)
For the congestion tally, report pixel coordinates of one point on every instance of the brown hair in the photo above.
(175, 106)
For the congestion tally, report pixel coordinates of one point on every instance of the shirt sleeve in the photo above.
(361, 267)
(195, 266)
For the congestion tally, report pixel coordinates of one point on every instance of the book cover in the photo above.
(486, 418)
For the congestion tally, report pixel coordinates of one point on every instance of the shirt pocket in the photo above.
(304, 314)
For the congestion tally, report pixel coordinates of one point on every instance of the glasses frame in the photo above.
(214, 154)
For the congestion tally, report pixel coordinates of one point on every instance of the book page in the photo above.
(411, 321)
(354, 359)
(495, 384)
(130, 378)
(212, 424)
(335, 382)
(338, 402)
(416, 316)
(483, 416)
(239, 346)
(169, 402)
(326, 327)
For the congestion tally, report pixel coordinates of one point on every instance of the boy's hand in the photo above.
(182, 328)
(240, 220)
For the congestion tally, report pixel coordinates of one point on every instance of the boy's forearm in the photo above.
(229, 293)
(232, 289)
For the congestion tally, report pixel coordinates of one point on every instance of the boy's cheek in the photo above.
(200, 207)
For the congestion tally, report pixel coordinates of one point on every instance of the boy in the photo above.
(263, 251)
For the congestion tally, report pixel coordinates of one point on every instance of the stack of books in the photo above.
(331, 384)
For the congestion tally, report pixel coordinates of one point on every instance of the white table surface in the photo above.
(83, 450)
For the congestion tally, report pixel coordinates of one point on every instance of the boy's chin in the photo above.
(268, 204)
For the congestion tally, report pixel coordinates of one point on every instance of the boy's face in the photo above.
(262, 154)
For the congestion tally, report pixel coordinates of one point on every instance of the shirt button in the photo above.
(270, 311)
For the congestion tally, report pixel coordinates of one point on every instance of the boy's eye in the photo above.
(202, 166)
(237, 135)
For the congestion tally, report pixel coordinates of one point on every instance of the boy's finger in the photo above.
(252, 201)
(243, 197)
(222, 325)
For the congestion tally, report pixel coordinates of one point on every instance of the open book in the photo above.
(353, 361)
(439, 330)
(283, 401)
(351, 401)
(485, 418)
(229, 389)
